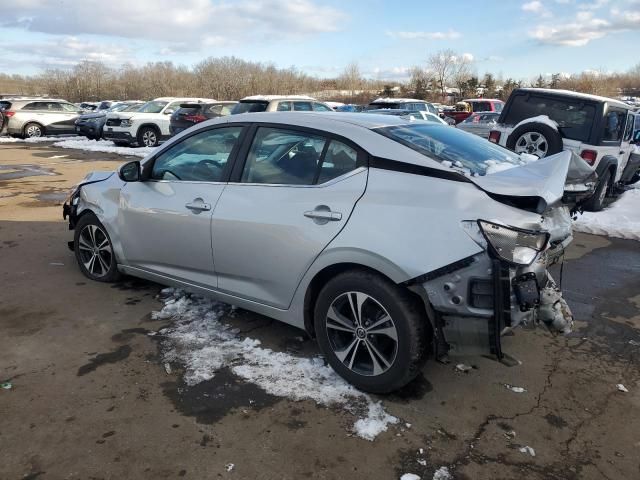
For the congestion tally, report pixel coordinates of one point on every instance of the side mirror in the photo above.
(169, 111)
(130, 172)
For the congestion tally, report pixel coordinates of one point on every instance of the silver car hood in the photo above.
(544, 178)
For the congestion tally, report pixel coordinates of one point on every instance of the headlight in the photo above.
(126, 123)
(514, 245)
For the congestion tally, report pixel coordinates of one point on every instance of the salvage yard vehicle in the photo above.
(403, 104)
(479, 123)
(91, 124)
(543, 122)
(148, 126)
(463, 110)
(415, 114)
(40, 117)
(279, 103)
(191, 113)
(384, 238)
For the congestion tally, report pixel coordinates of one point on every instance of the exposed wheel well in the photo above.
(323, 276)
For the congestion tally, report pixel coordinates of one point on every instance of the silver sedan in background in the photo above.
(384, 238)
(479, 123)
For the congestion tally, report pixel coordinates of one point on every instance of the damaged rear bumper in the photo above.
(476, 301)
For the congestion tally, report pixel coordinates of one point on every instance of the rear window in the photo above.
(4, 105)
(191, 110)
(379, 105)
(467, 154)
(481, 106)
(249, 107)
(574, 118)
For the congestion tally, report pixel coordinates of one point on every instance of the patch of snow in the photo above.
(229, 467)
(529, 450)
(514, 388)
(422, 462)
(539, 119)
(621, 219)
(376, 422)
(442, 474)
(203, 344)
(106, 146)
(461, 367)
(622, 388)
(33, 139)
(634, 343)
(409, 476)
(268, 98)
(396, 100)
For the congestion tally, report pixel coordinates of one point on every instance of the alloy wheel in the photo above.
(95, 250)
(149, 138)
(34, 131)
(362, 334)
(533, 143)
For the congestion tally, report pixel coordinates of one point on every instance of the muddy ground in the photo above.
(91, 400)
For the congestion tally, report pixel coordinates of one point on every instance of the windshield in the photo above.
(249, 107)
(134, 107)
(468, 154)
(154, 106)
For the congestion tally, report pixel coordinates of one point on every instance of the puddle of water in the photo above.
(24, 171)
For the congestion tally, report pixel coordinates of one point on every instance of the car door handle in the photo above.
(327, 215)
(199, 206)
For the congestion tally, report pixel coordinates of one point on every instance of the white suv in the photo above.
(147, 127)
(544, 122)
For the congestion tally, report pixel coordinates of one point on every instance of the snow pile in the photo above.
(409, 476)
(203, 344)
(105, 146)
(528, 450)
(29, 140)
(621, 219)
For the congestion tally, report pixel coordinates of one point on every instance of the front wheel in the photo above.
(94, 250)
(148, 137)
(371, 331)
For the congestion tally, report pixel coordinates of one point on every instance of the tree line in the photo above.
(445, 75)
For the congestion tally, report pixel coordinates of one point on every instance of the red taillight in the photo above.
(494, 136)
(589, 156)
(195, 118)
(9, 113)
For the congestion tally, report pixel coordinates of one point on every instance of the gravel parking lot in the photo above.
(92, 398)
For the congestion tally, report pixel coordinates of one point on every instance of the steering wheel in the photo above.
(207, 170)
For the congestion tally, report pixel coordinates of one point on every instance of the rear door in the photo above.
(613, 138)
(165, 221)
(291, 196)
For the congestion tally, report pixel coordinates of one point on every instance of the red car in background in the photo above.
(466, 107)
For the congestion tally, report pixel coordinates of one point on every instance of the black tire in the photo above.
(596, 201)
(31, 130)
(84, 238)
(553, 139)
(148, 137)
(407, 317)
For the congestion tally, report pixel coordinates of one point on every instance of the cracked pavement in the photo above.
(91, 399)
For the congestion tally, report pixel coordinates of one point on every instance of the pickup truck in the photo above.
(465, 108)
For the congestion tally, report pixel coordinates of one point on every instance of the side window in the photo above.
(286, 157)
(420, 107)
(199, 158)
(302, 106)
(54, 107)
(284, 106)
(32, 106)
(215, 110)
(613, 126)
(628, 131)
(319, 107)
(339, 159)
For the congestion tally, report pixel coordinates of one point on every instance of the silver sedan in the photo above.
(479, 123)
(384, 238)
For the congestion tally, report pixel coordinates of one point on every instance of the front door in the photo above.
(165, 221)
(296, 192)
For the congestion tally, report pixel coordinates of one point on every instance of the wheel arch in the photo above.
(608, 163)
(148, 125)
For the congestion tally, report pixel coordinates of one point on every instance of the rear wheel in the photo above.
(33, 130)
(596, 202)
(94, 250)
(372, 332)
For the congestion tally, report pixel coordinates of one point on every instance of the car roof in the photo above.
(397, 100)
(571, 93)
(269, 98)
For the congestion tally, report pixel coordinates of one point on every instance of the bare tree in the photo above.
(443, 65)
(350, 79)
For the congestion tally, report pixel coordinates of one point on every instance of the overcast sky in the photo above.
(516, 38)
